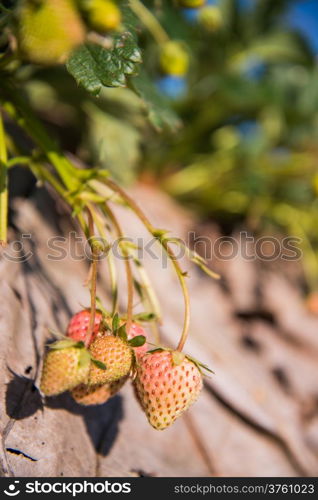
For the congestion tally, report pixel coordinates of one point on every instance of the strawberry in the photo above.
(48, 30)
(193, 4)
(174, 59)
(167, 384)
(115, 353)
(134, 331)
(79, 323)
(96, 394)
(103, 15)
(211, 18)
(65, 366)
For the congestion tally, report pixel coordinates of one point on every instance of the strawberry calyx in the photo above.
(178, 358)
(85, 356)
(137, 341)
(66, 343)
(121, 332)
(98, 363)
(145, 317)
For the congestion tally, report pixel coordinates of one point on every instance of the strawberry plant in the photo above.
(94, 45)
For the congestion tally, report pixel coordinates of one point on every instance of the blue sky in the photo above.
(303, 15)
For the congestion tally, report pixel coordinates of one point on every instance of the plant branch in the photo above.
(149, 20)
(110, 260)
(151, 298)
(3, 186)
(93, 281)
(152, 230)
(129, 275)
(19, 110)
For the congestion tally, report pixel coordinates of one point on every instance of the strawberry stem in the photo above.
(3, 186)
(100, 224)
(152, 230)
(151, 298)
(93, 279)
(129, 275)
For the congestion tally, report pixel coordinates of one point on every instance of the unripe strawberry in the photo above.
(48, 30)
(167, 384)
(64, 368)
(115, 353)
(97, 394)
(210, 18)
(79, 323)
(103, 15)
(174, 59)
(193, 4)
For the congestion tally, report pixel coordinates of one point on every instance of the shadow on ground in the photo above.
(23, 400)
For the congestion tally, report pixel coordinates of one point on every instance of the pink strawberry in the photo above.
(79, 323)
(167, 384)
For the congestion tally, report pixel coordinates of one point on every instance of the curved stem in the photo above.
(149, 20)
(110, 260)
(3, 186)
(93, 281)
(44, 174)
(129, 275)
(19, 110)
(131, 203)
(151, 298)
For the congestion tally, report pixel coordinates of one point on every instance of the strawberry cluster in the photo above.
(166, 382)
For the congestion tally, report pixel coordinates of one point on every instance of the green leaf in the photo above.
(145, 317)
(139, 288)
(121, 333)
(159, 112)
(64, 344)
(158, 349)
(115, 323)
(137, 341)
(94, 66)
(104, 326)
(199, 365)
(99, 364)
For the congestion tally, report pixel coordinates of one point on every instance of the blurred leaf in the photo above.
(114, 143)
(160, 113)
(278, 46)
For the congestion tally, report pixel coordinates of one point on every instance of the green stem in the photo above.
(44, 174)
(152, 230)
(129, 275)
(149, 20)
(110, 261)
(93, 281)
(19, 110)
(151, 298)
(3, 186)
